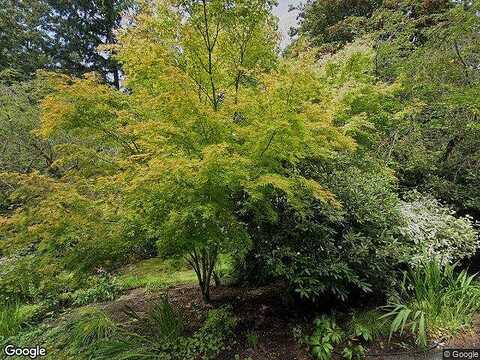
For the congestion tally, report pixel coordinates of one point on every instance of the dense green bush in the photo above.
(362, 246)
(335, 252)
(212, 337)
(31, 279)
(368, 325)
(12, 269)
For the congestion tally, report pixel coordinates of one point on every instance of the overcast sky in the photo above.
(287, 19)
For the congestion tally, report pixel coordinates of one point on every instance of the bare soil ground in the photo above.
(261, 313)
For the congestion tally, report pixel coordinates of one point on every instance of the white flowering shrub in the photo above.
(435, 231)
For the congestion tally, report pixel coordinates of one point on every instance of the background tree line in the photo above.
(433, 47)
(61, 35)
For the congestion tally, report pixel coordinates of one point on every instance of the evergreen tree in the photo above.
(61, 35)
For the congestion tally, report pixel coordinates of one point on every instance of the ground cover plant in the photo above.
(173, 185)
(91, 333)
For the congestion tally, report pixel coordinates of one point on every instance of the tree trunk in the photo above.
(110, 24)
(216, 279)
(116, 76)
(203, 262)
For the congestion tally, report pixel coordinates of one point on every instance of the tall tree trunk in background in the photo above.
(116, 76)
(110, 20)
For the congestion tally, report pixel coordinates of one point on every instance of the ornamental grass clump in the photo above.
(435, 301)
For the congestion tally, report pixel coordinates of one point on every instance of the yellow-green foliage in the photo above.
(212, 127)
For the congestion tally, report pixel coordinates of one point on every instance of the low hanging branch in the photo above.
(462, 61)
(269, 142)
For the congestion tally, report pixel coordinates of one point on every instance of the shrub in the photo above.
(435, 232)
(336, 252)
(103, 290)
(434, 301)
(33, 279)
(363, 328)
(219, 321)
(354, 352)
